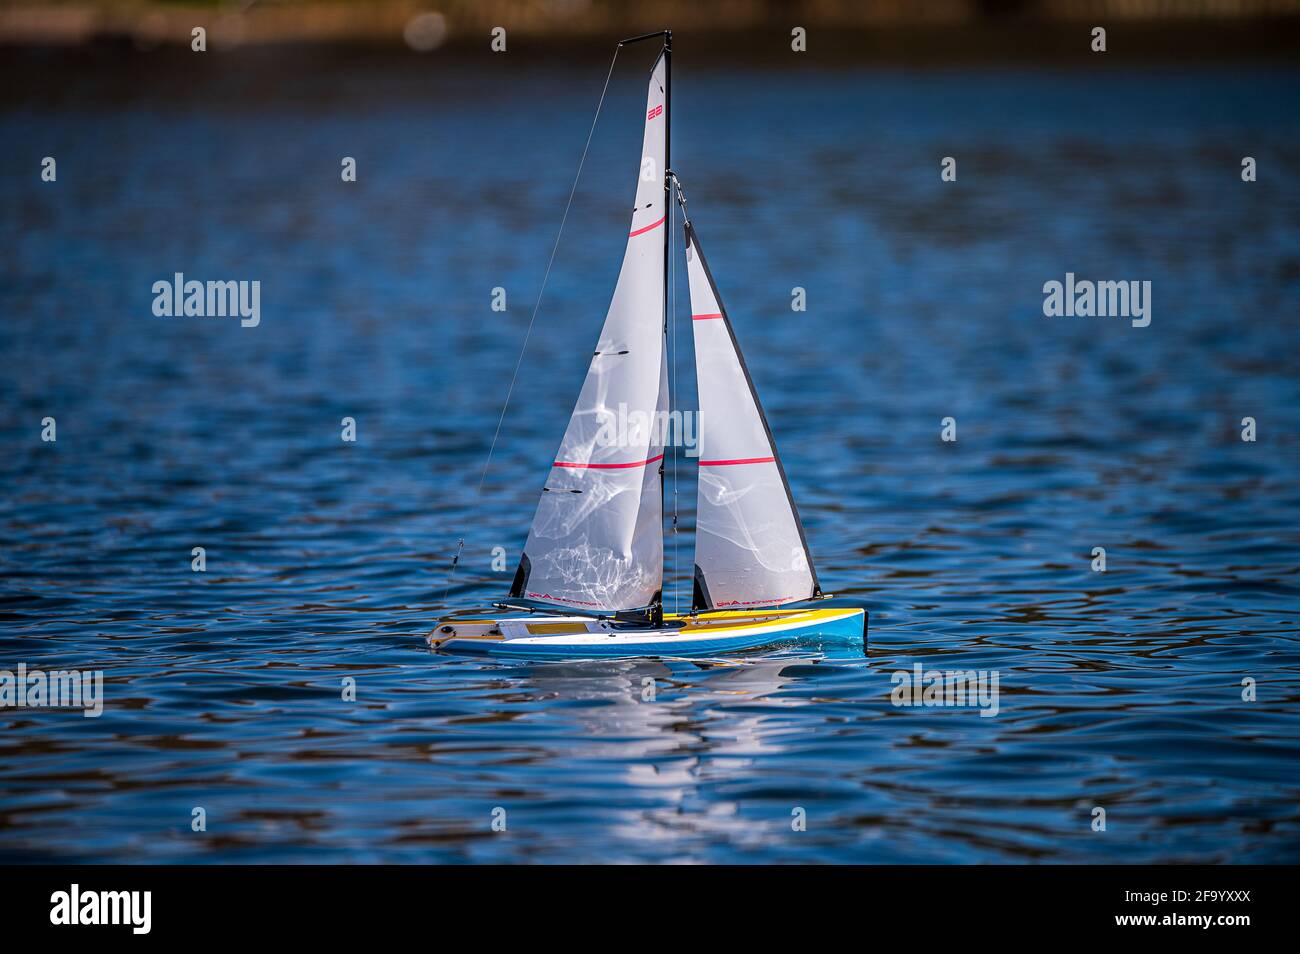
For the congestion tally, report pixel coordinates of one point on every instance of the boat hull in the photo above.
(708, 634)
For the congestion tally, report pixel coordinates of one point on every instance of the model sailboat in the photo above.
(591, 576)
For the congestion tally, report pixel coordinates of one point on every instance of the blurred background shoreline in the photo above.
(885, 31)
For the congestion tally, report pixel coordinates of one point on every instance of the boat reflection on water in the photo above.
(666, 728)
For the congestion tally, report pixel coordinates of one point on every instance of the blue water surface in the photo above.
(326, 559)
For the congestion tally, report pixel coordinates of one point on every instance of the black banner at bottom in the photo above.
(335, 904)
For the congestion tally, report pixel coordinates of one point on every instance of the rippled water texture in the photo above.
(327, 560)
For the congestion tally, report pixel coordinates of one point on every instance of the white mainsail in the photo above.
(749, 546)
(596, 543)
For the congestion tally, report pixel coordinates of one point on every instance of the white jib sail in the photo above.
(597, 539)
(749, 548)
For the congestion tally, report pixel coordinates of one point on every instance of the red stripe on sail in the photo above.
(704, 317)
(652, 225)
(739, 460)
(635, 463)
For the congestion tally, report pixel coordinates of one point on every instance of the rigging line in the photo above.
(546, 276)
(454, 560)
